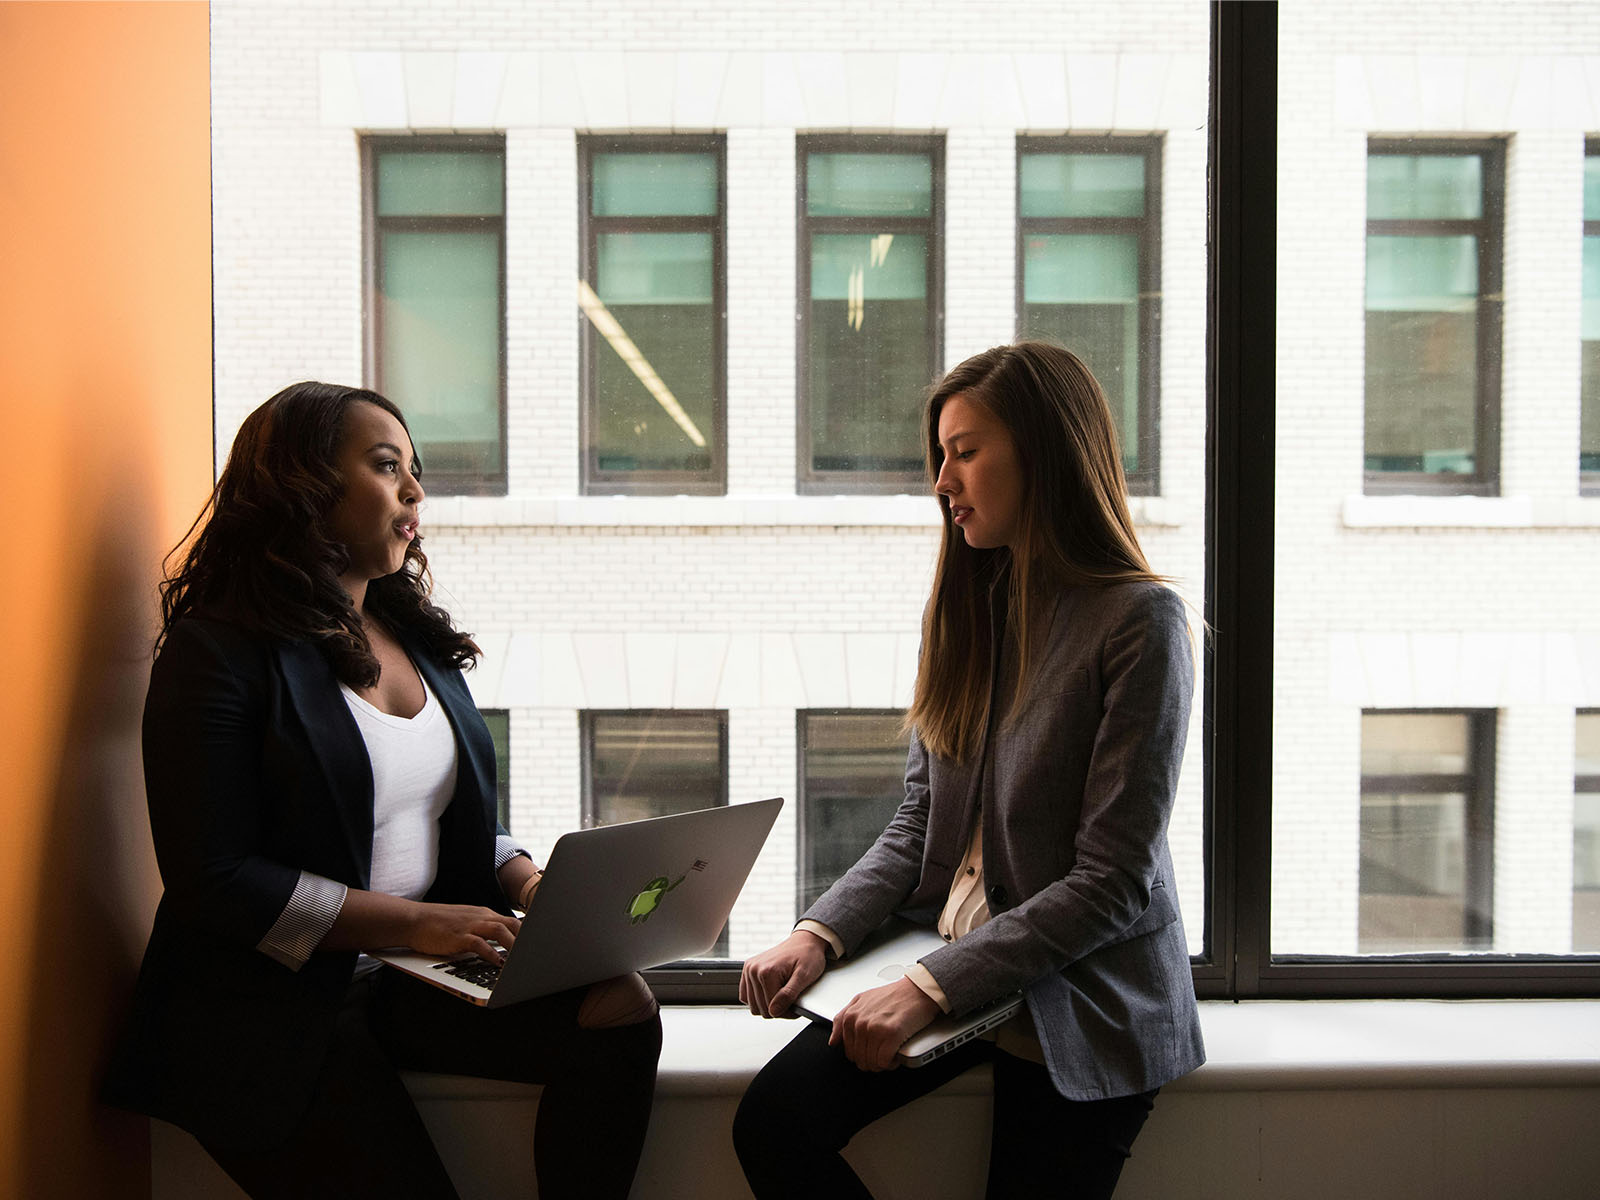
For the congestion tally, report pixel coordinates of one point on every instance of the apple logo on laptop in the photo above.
(892, 972)
(648, 897)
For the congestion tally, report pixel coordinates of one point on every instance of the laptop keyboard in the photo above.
(473, 970)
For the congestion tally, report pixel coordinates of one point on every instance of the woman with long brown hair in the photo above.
(320, 785)
(1048, 725)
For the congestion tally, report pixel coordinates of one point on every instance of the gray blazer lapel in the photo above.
(335, 742)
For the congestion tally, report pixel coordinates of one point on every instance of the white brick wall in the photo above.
(588, 602)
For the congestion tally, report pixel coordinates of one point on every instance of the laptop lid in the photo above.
(883, 958)
(620, 898)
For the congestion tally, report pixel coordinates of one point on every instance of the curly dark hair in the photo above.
(262, 557)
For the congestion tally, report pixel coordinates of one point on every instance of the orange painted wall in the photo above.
(105, 437)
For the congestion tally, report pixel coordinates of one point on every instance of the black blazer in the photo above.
(254, 771)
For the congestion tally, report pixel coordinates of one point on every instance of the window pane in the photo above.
(1586, 836)
(1413, 876)
(439, 344)
(1589, 437)
(655, 185)
(652, 764)
(868, 351)
(1414, 744)
(1591, 188)
(1082, 290)
(499, 722)
(869, 185)
(1082, 185)
(1422, 354)
(1588, 744)
(1424, 186)
(440, 183)
(654, 381)
(853, 767)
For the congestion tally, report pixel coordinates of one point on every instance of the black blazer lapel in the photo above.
(336, 744)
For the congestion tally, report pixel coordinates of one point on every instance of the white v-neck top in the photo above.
(413, 778)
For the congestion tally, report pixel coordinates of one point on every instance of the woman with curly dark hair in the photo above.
(321, 785)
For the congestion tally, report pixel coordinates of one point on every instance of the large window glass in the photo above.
(1089, 272)
(1589, 438)
(436, 281)
(651, 294)
(1433, 315)
(1427, 832)
(870, 281)
(852, 778)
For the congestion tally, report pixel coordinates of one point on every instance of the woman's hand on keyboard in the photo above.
(445, 929)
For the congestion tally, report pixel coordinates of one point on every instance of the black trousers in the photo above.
(805, 1105)
(362, 1135)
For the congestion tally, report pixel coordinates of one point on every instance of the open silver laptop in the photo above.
(883, 958)
(614, 899)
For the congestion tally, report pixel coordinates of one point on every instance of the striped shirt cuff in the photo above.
(305, 920)
(505, 849)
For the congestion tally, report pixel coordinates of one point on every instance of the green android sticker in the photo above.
(643, 904)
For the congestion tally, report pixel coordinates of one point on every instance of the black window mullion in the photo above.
(1240, 458)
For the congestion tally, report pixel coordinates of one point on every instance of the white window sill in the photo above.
(1470, 512)
(1260, 1045)
(906, 511)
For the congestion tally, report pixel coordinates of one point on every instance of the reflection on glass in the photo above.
(1425, 836)
(438, 243)
(655, 185)
(853, 766)
(499, 722)
(1082, 290)
(869, 185)
(653, 764)
(868, 351)
(1424, 361)
(1082, 185)
(658, 289)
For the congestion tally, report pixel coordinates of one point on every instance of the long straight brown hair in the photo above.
(1074, 530)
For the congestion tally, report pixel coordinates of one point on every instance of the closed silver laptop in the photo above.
(883, 958)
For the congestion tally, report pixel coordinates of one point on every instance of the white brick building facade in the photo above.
(762, 602)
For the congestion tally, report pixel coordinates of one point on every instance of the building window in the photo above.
(852, 778)
(1586, 837)
(1433, 306)
(870, 306)
(639, 764)
(1427, 832)
(499, 722)
(435, 270)
(1589, 441)
(1089, 272)
(651, 292)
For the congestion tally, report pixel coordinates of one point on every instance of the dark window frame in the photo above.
(1588, 481)
(593, 480)
(802, 716)
(808, 480)
(439, 482)
(1146, 481)
(1477, 784)
(1488, 232)
(1237, 682)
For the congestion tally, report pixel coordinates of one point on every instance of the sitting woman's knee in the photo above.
(624, 1000)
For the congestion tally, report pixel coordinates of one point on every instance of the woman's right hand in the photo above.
(446, 929)
(772, 980)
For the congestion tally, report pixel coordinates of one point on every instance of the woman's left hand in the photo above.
(876, 1023)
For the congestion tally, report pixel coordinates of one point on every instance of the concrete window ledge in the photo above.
(1310, 1100)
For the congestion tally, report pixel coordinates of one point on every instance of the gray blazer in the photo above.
(1075, 801)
